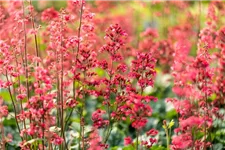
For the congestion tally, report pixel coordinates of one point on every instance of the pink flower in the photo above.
(182, 141)
(49, 14)
(56, 139)
(182, 106)
(139, 123)
(3, 109)
(153, 33)
(191, 122)
(128, 140)
(21, 96)
(95, 141)
(97, 119)
(152, 132)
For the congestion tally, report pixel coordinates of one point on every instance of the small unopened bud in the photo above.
(164, 122)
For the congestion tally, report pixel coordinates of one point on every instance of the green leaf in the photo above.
(212, 97)
(9, 122)
(218, 146)
(5, 95)
(171, 114)
(157, 147)
(130, 147)
(100, 72)
(9, 146)
(115, 148)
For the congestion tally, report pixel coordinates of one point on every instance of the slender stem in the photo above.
(49, 145)
(19, 83)
(83, 148)
(43, 128)
(193, 139)
(68, 118)
(205, 112)
(75, 64)
(137, 130)
(57, 89)
(108, 133)
(78, 47)
(167, 139)
(25, 51)
(211, 140)
(82, 116)
(62, 102)
(79, 29)
(80, 131)
(61, 91)
(70, 114)
(137, 134)
(58, 97)
(14, 105)
(109, 128)
(35, 36)
(37, 64)
(61, 88)
(25, 57)
(3, 135)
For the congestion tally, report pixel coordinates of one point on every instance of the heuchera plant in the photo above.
(46, 90)
(55, 63)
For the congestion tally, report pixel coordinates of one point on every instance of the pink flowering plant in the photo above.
(95, 75)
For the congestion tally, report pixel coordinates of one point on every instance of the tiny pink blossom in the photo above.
(128, 140)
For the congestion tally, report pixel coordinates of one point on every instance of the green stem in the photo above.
(137, 134)
(167, 139)
(80, 131)
(14, 105)
(109, 128)
(75, 64)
